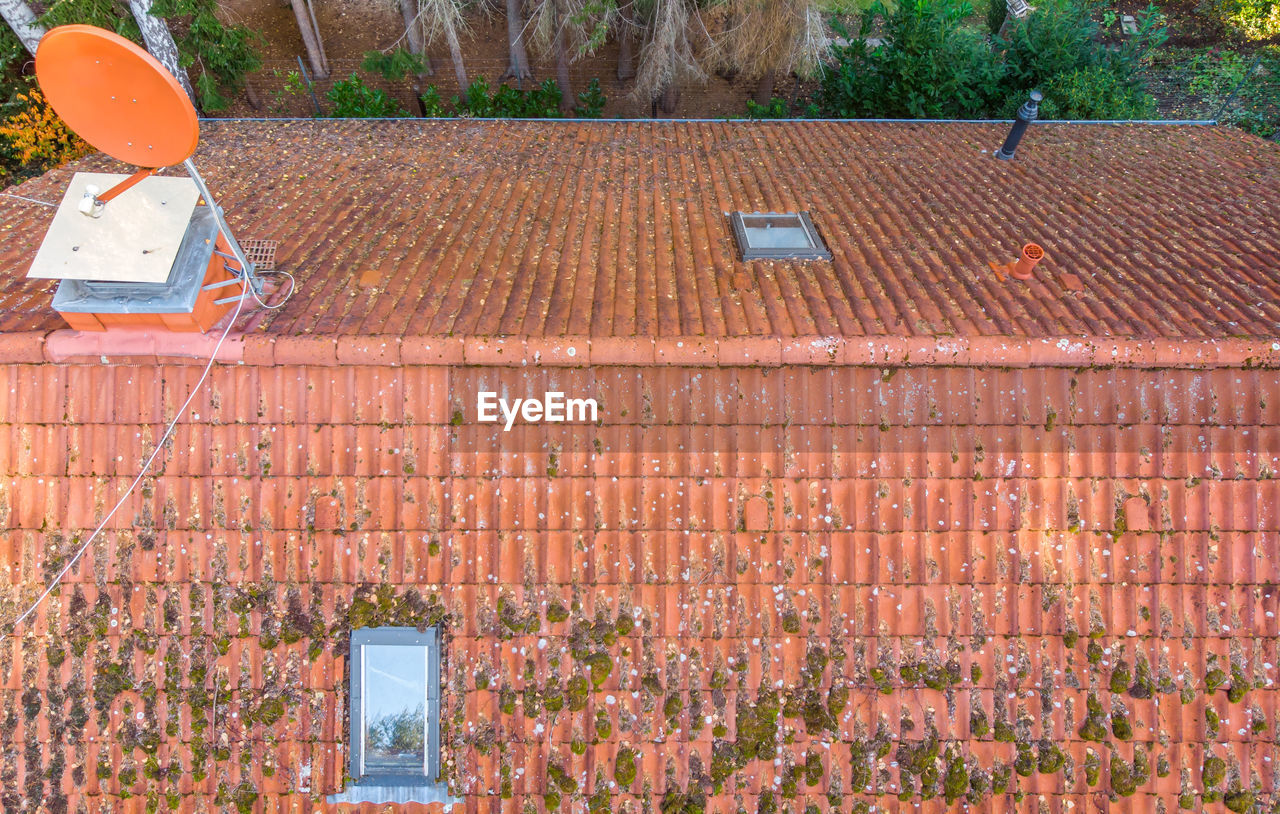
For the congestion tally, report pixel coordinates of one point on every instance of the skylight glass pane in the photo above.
(777, 236)
(773, 233)
(395, 696)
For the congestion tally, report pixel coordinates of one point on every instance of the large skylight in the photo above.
(777, 236)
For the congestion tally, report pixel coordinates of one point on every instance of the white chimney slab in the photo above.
(134, 240)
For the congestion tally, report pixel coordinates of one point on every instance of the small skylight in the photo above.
(395, 716)
(777, 236)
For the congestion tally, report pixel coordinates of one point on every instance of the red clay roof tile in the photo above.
(497, 237)
(983, 515)
(730, 528)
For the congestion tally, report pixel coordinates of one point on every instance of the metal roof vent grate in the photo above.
(261, 253)
(777, 236)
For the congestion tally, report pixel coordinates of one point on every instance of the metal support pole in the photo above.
(310, 88)
(246, 268)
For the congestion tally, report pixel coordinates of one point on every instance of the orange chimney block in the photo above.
(201, 318)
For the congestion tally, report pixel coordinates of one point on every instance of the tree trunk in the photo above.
(764, 88)
(324, 58)
(670, 99)
(22, 20)
(310, 39)
(517, 56)
(455, 53)
(159, 41)
(412, 31)
(251, 93)
(562, 61)
(626, 58)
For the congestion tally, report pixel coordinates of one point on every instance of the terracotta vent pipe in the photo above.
(1021, 268)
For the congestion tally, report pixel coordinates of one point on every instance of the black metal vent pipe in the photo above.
(1026, 115)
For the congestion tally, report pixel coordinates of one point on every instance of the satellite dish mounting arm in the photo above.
(92, 203)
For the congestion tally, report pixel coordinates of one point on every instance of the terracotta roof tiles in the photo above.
(833, 517)
(980, 519)
(618, 229)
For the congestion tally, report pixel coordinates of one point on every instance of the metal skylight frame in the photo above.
(815, 250)
(428, 642)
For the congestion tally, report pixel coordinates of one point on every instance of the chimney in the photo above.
(1026, 115)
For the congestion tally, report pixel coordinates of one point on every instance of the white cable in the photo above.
(28, 200)
(145, 467)
(293, 284)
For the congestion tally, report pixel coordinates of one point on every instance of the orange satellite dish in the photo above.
(116, 96)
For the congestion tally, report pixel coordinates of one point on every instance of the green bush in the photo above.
(477, 101)
(432, 104)
(931, 65)
(542, 102)
(102, 13)
(1058, 49)
(12, 83)
(353, 99)
(781, 109)
(1251, 19)
(776, 109)
(395, 65)
(1241, 89)
(591, 102)
(997, 10)
(934, 64)
(1094, 93)
(224, 53)
(507, 102)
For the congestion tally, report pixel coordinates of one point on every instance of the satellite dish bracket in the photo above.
(246, 270)
(93, 203)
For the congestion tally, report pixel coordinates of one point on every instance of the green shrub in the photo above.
(102, 13)
(1058, 49)
(476, 101)
(930, 65)
(1240, 89)
(591, 102)
(224, 53)
(1059, 37)
(997, 10)
(776, 109)
(1251, 19)
(934, 64)
(1094, 93)
(542, 102)
(353, 99)
(507, 102)
(432, 104)
(395, 65)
